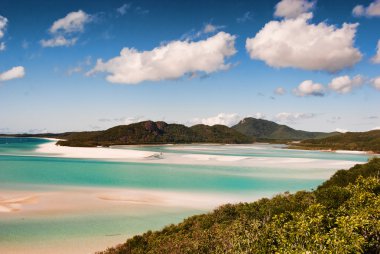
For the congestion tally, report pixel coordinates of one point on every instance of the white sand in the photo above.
(67, 200)
(51, 149)
(351, 152)
(206, 157)
(128, 155)
(14, 202)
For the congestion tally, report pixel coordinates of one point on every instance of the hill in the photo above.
(341, 216)
(264, 130)
(149, 132)
(359, 141)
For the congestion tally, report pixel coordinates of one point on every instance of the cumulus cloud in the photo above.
(308, 88)
(222, 118)
(170, 61)
(72, 22)
(344, 84)
(2, 46)
(376, 83)
(292, 8)
(58, 41)
(280, 91)
(376, 58)
(297, 43)
(64, 31)
(373, 10)
(287, 117)
(13, 73)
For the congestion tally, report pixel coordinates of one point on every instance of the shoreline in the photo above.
(50, 149)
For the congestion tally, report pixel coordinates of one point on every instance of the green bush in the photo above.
(341, 216)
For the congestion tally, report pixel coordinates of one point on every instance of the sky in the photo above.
(89, 65)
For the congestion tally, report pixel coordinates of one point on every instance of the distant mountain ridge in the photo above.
(267, 130)
(360, 141)
(149, 132)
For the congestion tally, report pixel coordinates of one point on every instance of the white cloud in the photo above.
(259, 115)
(375, 128)
(376, 58)
(222, 118)
(210, 28)
(344, 84)
(58, 41)
(80, 67)
(292, 8)
(296, 43)
(123, 9)
(207, 29)
(13, 73)
(63, 29)
(341, 130)
(127, 120)
(247, 16)
(170, 61)
(373, 10)
(376, 83)
(72, 22)
(308, 88)
(3, 25)
(358, 10)
(73, 70)
(293, 117)
(136, 119)
(280, 91)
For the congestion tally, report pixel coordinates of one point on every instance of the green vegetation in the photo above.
(264, 130)
(359, 141)
(149, 132)
(340, 216)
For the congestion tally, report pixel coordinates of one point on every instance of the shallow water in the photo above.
(35, 230)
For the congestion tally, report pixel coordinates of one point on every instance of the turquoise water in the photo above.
(74, 172)
(23, 169)
(270, 151)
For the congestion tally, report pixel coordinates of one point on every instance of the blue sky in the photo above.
(189, 62)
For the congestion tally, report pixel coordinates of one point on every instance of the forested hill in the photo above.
(149, 132)
(341, 216)
(267, 130)
(359, 141)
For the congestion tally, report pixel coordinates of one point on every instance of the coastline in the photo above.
(118, 154)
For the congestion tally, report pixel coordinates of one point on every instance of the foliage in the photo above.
(264, 130)
(359, 141)
(341, 216)
(149, 132)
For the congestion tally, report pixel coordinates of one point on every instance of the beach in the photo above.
(56, 199)
(124, 153)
